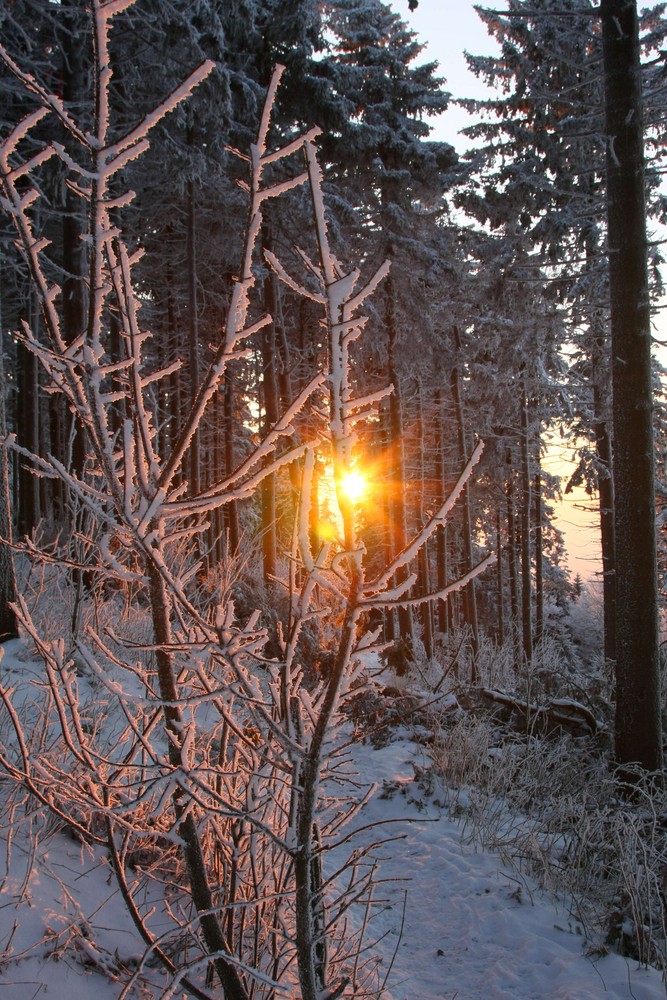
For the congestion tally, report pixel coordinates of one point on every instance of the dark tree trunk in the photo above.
(397, 478)
(638, 731)
(423, 568)
(511, 562)
(526, 601)
(231, 509)
(216, 450)
(270, 397)
(606, 503)
(74, 224)
(8, 623)
(426, 609)
(387, 506)
(174, 382)
(194, 456)
(539, 567)
(441, 534)
(469, 593)
(29, 508)
(500, 581)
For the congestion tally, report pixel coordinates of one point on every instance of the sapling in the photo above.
(207, 769)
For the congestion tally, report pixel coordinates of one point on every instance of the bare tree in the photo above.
(198, 751)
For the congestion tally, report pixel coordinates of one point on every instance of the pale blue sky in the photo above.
(447, 28)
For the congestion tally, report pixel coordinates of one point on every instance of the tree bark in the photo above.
(29, 508)
(638, 731)
(74, 223)
(606, 502)
(511, 562)
(469, 593)
(194, 456)
(500, 581)
(526, 595)
(539, 559)
(231, 511)
(8, 622)
(423, 567)
(270, 397)
(397, 484)
(444, 607)
(387, 520)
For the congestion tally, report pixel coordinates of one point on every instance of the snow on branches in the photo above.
(185, 736)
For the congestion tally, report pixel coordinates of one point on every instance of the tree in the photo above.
(550, 117)
(8, 619)
(548, 194)
(218, 759)
(381, 162)
(638, 727)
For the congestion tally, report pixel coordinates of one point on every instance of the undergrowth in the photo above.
(554, 808)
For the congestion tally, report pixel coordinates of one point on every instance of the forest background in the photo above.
(518, 218)
(449, 31)
(208, 440)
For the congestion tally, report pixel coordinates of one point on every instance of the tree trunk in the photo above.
(174, 382)
(606, 502)
(469, 593)
(444, 618)
(500, 582)
(74, 223)
(216, 450)
(638, 731)
(270, 397)
(29, 509)
(539, 561)
(231, 510)
(8, 622)
(387, 520)
(423, 568)
(526, 602)
(194, 456)
(397, 484)
(511, 561)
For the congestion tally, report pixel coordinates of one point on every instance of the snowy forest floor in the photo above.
(451, 921)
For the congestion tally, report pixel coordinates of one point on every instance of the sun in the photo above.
(353, 485)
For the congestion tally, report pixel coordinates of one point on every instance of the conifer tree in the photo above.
(382, 158)
(551, 188)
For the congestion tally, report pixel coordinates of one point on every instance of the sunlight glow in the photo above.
(354, 486)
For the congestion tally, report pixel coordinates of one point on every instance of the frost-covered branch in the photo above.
(405, 557)
(393, 598)
(208, 740)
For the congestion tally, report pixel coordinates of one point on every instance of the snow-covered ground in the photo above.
(450, 921)
(471, 931)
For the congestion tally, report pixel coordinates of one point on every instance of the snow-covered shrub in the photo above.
(166, 729)
(555, 684)
(496, 667)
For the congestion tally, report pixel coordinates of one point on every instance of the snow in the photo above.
(472, 930)
(451, 921)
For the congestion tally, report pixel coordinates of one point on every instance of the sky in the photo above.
(447, 28)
